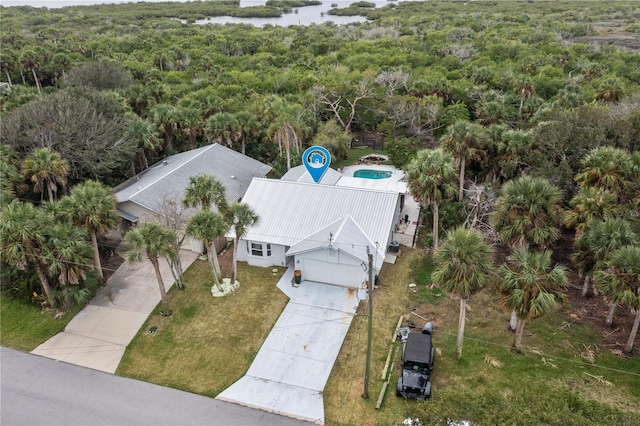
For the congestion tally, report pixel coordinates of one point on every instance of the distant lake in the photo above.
(300, 16)
(54, 4)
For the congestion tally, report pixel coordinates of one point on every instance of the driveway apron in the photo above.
(289, 373)
(99, 334)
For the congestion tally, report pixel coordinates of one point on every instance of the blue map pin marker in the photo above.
(317, 160)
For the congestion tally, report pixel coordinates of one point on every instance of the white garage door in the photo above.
(332, 273)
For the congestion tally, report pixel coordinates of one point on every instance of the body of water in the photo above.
(300, 16)
(55, 4)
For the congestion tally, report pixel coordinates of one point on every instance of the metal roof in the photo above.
(292, 211)
(170, 177)
(380, 184)
(342, 235)
(300, 174)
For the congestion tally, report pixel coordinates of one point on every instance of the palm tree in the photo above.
(240, 217)
(464, 141)
(592, 246)
(528, 212)
(155, 241)
(191, 124)
(462, 266)
(92, 206)
(588, 205)
(8, 63)
(287, 126)
(223, 127)
(524, 88)
(203, 190)
(31, 60)
(23, 235)
(46, 169)
(512, 148)
(531, 287)
(145, 133)
(606, 168)
(208, 226)
(619, 279)
(247, 125)
(10, 178)
(491, 111)
(610, 89)
(139, 98)
(165, 116)
(68, 255)
(431, 178)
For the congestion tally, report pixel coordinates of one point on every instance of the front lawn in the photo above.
(24, 326)
(208, 343)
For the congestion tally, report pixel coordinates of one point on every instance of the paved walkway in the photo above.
(99, 334)
(289, 373)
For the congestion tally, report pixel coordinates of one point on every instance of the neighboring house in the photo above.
(140, 197)
(324, 231)
(300, 174)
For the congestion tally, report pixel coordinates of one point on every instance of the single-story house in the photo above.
(300, 174)
(325, 231)
(140, 197)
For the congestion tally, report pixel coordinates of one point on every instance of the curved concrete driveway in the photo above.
(99, 334)
(289, 373)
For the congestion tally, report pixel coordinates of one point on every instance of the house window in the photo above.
(259, 249)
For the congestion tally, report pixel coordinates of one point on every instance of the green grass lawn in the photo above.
(354, 155)
(550, 383)
(24, 326)
(208, 343)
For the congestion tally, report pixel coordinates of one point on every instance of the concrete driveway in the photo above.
(99, 334)
(289, 373)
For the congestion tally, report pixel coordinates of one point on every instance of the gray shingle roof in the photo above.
(171, 176)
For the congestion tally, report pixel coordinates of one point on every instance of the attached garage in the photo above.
(337, 254)
(333, 273)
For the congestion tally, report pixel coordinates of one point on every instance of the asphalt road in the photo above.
(40, 391)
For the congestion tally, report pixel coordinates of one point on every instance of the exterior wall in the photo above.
(277, 257)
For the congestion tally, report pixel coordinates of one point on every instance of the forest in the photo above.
(518, 121)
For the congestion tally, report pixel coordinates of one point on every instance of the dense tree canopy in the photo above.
(535, 101)
(86, 128)
(410, 72)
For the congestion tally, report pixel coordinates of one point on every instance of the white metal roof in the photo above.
(380, 184)
(171, 176)
(292, 211)
(300, 174)
(342, 235)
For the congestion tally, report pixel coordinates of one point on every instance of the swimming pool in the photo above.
(372, 174)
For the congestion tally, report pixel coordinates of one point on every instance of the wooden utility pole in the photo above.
(365, 395)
